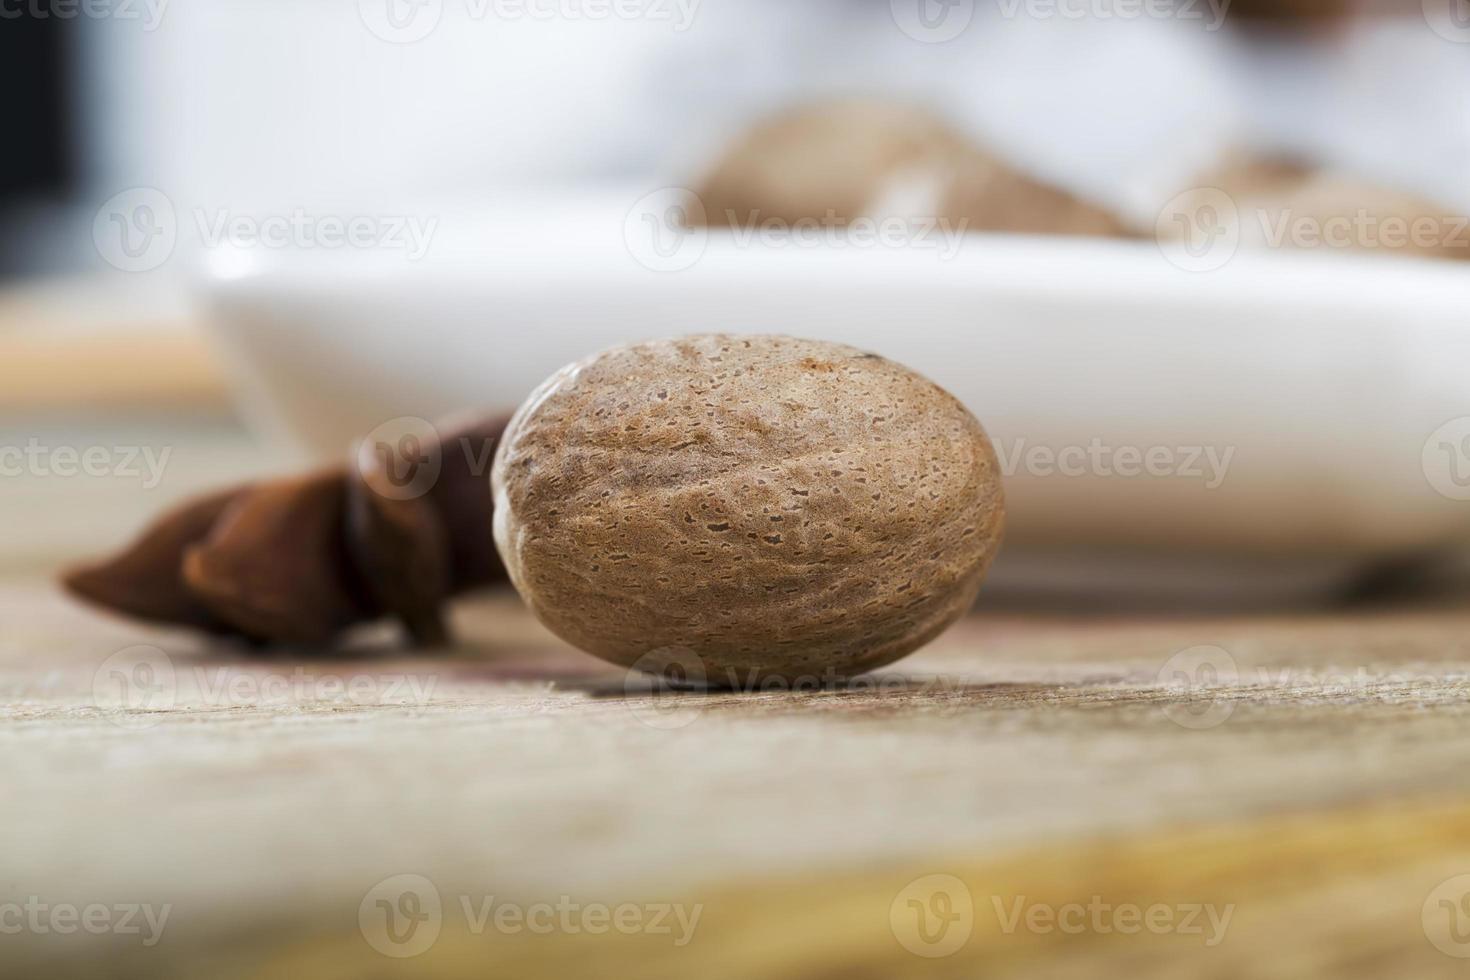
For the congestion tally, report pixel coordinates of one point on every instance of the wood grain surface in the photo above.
(1241, 796)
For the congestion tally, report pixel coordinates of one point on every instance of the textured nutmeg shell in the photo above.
(746, 506)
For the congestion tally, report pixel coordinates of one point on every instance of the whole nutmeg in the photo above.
(745, 507)
(1284, 192)
(837, 162)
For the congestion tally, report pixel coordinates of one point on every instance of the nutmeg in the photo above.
(836, 162)
(1283, 202)
(751, 507)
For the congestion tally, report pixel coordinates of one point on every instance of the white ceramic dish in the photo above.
(1282, 419)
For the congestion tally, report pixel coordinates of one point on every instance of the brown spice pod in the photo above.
(275, 566)
(400, 548)
(462, 499)
(146, 579)
(298, 560)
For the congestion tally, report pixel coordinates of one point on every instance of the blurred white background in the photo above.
(436, 108)
(221, 107)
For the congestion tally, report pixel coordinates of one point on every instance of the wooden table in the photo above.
(1314, 803)
(1033, 795)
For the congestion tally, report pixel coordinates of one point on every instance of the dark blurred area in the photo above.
(40, 161)
(35, 59)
